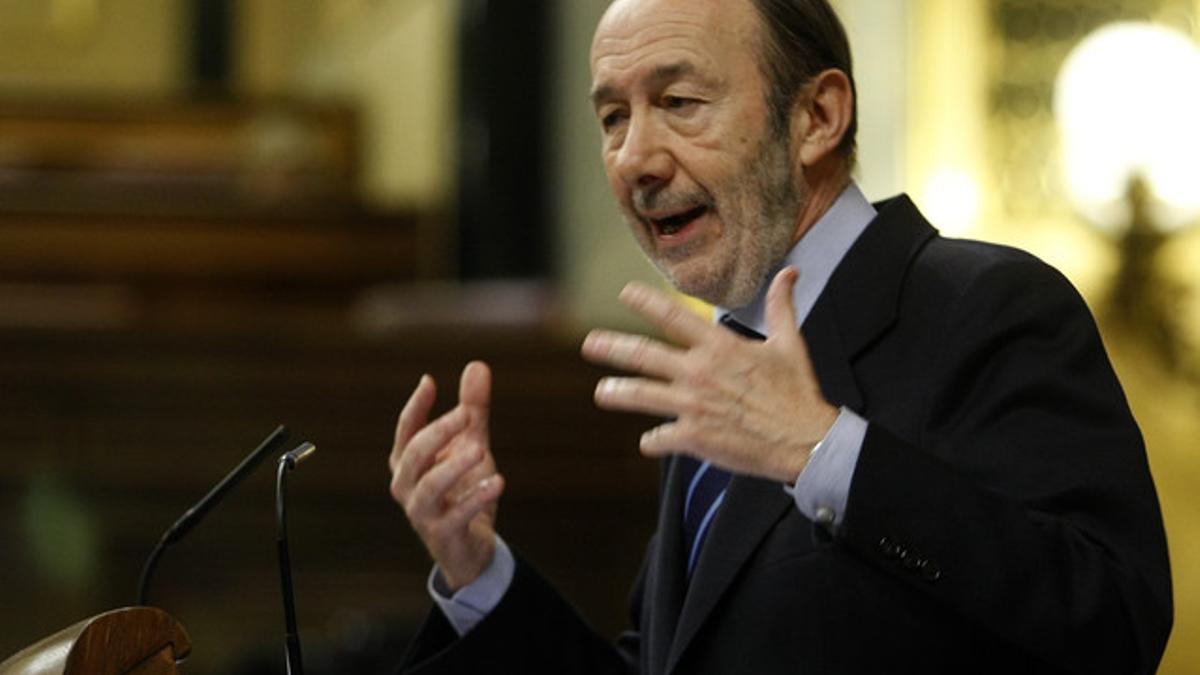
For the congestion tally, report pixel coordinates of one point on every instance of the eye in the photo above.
(610, 119)
(678, 102)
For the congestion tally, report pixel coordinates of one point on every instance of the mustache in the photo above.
(660, 200)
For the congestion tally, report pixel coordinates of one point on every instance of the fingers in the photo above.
(475, 396)
(781, 318)
(466, 505)
(673, 319)
(428, 492)
(432, 494)
(475, 386)
(636, 353)
(781, 313)
(662, 440)
(439, 508)
(414, 416)
(421, 451)
(631, 394)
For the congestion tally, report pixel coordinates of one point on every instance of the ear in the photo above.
(821, 115)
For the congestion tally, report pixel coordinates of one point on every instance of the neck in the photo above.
(822, 190)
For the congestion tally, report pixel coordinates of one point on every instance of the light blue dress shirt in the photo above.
(822, 488)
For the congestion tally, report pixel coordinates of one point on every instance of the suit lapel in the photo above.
(667, 581)
(751, 508)
(864, 291)
(857, 306)
(860, 301)
(826, 348)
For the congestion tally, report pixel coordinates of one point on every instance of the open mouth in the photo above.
(673, 224)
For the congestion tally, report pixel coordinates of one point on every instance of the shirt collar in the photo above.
(815, 257)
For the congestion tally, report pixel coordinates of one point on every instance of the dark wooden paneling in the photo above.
(135, 426)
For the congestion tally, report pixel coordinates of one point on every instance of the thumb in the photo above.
(475, 390)
(781, 314)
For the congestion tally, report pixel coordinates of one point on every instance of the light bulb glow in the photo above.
(1128, 103)
(951, 200)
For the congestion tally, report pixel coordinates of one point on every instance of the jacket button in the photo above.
(929, 571)
(892, 550)
(825, 516)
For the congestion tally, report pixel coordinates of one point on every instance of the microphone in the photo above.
(195, 514)
(291, 637)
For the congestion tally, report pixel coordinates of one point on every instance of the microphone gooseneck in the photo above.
(287, 463)
(195, 514)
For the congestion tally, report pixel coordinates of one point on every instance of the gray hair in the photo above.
(803, 38)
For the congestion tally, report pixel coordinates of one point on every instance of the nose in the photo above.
(643, 161)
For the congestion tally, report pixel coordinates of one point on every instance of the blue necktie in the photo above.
(705, 492)
(705, 483)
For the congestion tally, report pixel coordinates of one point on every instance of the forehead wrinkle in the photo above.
(607, 46)
(660, 26)
(659, 76)
(620, 55)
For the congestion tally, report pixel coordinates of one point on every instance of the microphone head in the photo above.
(301, 453)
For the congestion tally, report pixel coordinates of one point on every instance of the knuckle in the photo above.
(672, 315)
(398, 494)
(639, 351)
(422, 493)
(436, 530)
(415, 516)
(467, 506)
(707, 410)
(692, 406)
(421, 498)
(699, 375)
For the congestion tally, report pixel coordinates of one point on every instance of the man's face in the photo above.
(706, 185)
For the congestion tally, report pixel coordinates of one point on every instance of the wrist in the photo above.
(798, 459)
(466, 569)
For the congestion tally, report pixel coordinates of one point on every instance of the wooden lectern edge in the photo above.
(128, 641)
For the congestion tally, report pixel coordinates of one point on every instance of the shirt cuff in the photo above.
(473, 602)
(823, 488)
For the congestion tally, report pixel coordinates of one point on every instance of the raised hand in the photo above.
(750, 407)
(444, 476)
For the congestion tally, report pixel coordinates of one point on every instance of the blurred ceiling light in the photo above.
(1128, 104)
(951, 200)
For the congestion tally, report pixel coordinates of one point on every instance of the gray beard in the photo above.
(767, 190)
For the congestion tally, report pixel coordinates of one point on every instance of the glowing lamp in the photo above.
(1127, 103)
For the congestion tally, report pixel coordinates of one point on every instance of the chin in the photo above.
(711, 286)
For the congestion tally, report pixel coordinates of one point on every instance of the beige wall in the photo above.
(86, 48)
(394, 59)
(397, 60)
(596, 254)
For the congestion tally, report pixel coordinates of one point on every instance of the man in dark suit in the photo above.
(937, 473)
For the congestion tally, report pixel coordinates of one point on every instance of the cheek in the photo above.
(616, 185)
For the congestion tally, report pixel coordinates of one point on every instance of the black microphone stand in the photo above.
(287, 463)
(195, 514)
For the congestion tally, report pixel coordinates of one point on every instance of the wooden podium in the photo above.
(129, 641)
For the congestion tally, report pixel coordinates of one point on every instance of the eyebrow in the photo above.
(659, 76)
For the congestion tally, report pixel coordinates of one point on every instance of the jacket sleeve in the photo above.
(1025, 504)
(533, 630)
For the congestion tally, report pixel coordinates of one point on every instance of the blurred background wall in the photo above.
(217, 216)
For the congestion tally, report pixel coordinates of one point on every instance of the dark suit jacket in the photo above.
(1001, 517)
